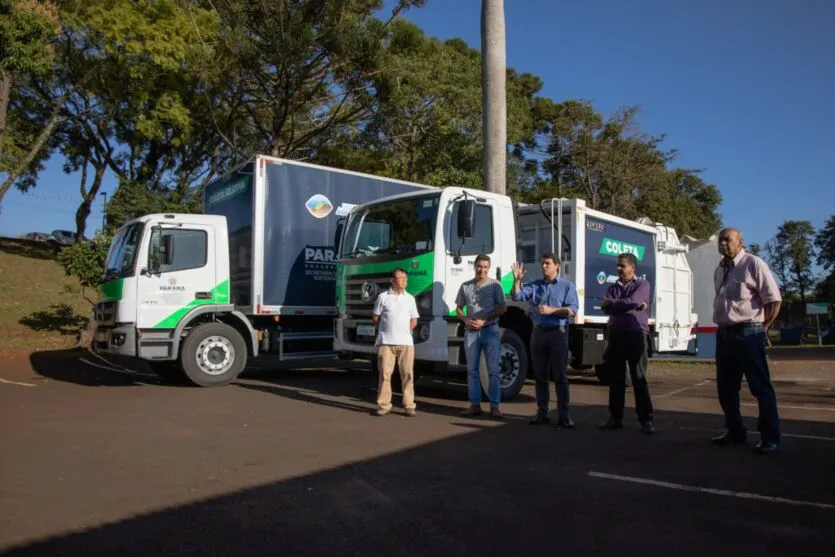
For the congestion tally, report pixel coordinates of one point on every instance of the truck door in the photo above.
(462, 251)
(179, 274)
(672, 316)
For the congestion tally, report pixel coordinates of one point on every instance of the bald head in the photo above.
(729, 242)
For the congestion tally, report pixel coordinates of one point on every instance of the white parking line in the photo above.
(17, 383)
(711, 491)
(781, 406)
(683, 389)
(792, 435)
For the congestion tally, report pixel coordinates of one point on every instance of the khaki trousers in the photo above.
(387, 356)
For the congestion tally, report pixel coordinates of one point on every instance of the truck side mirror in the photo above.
(466, 218)
(167, 249)
(337, 235)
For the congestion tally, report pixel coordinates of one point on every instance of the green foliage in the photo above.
(754, 249)
(26, 27)
(791, 254)
(825, 242)
(169, 94)
(85, 261)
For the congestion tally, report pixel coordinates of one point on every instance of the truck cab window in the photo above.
(482, 240)
(190, 250)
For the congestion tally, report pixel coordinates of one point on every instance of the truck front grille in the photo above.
(355, 306)
(105, 313)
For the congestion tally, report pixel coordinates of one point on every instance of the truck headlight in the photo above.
(423, 332)
(424, 302)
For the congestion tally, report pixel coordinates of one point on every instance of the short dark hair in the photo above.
(630, 259)
(551, 256)
(482, 257)
(398, 270)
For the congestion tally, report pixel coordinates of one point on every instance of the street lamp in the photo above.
(103, 211)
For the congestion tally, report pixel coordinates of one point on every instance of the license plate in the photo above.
(366, 330)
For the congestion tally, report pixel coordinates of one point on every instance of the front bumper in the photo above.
(117, 339)
(431, 349)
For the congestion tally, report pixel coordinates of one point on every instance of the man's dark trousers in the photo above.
(549, 352)
(628, 348)
(740, 350)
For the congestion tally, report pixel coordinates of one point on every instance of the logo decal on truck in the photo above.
(319, 206)
(615, 247)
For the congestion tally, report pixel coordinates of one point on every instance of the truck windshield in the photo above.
(404, 227)
(121, 258)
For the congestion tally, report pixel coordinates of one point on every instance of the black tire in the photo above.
(169, 371)
(602, 372)
(513, 365)
(213, 355)
(578, 365)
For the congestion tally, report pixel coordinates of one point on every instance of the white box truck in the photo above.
(253, 276)
(435, 235)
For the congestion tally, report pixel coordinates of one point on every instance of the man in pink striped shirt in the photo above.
(747, 302)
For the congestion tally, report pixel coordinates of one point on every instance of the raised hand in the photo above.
(518, 269)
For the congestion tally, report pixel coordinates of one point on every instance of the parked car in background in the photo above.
(37, 236)
(64, 237)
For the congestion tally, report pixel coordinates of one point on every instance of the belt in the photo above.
(741, 326)
(551, 328)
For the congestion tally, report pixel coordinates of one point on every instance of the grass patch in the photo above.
(40, 307)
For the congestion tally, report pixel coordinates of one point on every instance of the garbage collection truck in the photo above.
(253, 276)
(436, 234)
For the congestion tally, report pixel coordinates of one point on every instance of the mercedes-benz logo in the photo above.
(368, 291)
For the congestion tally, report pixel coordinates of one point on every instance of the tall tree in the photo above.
(754, 249)
(792, 255)
(825, 242)
(494, 103)
(26, 30)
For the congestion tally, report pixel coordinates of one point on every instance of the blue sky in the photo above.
(744, 89)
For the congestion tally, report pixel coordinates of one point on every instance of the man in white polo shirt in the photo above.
(395, 315)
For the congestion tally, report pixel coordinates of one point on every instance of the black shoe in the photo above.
(766, 447)
(728, 439)
(566, 422)
(611, 423)
(540, 419)
(648, 427)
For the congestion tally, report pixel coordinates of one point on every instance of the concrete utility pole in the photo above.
(493, 95)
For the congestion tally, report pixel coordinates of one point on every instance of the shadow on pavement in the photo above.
(508, 490)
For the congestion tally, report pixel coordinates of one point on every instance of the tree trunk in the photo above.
(494, 100)
(87, 200)
(13, 175)
(5, 94)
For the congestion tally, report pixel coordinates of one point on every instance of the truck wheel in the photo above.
(213, 354)
(578, 364)
(513, 366)
(602, 373)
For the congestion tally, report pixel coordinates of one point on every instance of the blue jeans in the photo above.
(740, 351)
(487, 339)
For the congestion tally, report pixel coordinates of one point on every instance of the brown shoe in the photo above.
(409, 412)
(472, 412)
(496, 414)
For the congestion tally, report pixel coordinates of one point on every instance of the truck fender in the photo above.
(226, 314)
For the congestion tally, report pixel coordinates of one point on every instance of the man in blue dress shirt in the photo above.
(553, 300)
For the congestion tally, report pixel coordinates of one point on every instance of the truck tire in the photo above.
(213, 354)
(513, 365)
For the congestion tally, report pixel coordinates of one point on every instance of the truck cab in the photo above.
(165, 290)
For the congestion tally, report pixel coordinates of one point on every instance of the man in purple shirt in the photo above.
(627, 304)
